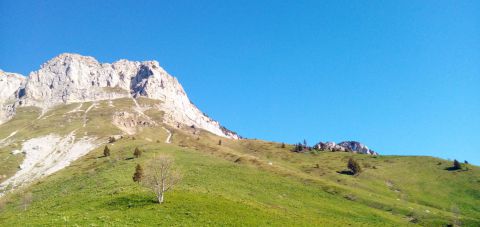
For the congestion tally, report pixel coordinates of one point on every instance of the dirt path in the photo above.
(169, 137)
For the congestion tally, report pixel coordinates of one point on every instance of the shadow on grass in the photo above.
(129, 158)
(451, 168)
(346, 172)
(130, 201)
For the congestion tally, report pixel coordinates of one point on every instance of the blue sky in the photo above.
(401, 76)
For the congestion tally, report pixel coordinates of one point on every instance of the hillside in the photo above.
(240, 182)
(55, 124)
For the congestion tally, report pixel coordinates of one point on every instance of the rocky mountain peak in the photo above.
(72, 78)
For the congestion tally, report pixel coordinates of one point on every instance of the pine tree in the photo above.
(137, 176)
(354, 166)
(456, 164)
(137, 153)
(106, 151)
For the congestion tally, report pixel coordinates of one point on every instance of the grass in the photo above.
(242, 183)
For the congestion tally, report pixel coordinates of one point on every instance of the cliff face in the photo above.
(11, 85)
(72, 78)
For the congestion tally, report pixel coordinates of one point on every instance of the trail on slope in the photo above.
(78, 108)
(4, 141)
(85, 114)
(169, 137)
(139, 109)
(46, 155)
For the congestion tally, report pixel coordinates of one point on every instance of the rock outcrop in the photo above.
(346, 146)
(72, 78)
(357, 147)
(11, 88)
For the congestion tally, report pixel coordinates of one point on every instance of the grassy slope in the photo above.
(248, 182)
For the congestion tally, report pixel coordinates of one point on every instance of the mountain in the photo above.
(72, 78)
(58, 121)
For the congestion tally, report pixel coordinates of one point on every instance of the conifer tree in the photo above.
(137, 153)
(456, 164)
(137, 176)
(106, 151)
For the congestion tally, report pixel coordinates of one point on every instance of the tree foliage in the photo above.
(106, 151)
(137, 153)
(354, 166)
(456, 164)
(138, 175)
(160, 176)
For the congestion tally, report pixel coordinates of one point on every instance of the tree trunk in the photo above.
(160, 198)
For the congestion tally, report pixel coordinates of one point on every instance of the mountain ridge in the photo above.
(71, 78)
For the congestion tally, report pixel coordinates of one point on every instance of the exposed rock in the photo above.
(128, 122)
(357, 147)
(346, 146)
(71, 78)
(46, 155)
(11, 88)
(328, 146)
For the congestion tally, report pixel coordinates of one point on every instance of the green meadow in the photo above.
(238, 183)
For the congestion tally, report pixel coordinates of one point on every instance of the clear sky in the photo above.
(402, 77)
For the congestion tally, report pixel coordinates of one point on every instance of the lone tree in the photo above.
(456, 164)
(106, 151)
(354, 166)
(138, 175)
(160, 176)
(219, 142)
(137, 153)
(283, 145)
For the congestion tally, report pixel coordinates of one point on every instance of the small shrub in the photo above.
(283, 145)
(219, 142)
(354, 166)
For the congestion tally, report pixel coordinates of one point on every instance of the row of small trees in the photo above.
(136, 153)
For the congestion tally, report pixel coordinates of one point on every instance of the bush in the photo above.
(354, 166)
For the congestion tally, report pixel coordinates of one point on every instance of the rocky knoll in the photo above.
(72, 78)
(346, 146)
